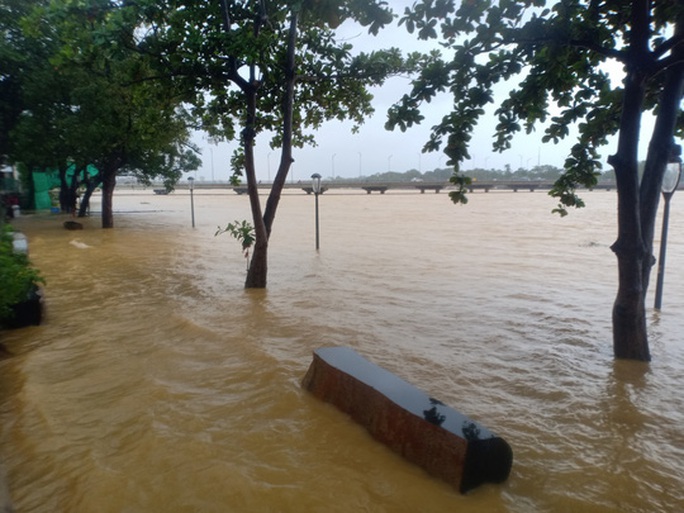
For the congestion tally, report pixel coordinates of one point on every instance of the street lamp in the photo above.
(191, 181)
(316, 186)
(671, 177)
(211, 150)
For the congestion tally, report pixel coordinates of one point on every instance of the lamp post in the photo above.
(671, 177)
(211, 150)
(316, 186)
(191, 181)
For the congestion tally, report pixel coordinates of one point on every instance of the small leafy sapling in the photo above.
(243, 232)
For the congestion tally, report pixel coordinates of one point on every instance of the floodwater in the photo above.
(158, 384)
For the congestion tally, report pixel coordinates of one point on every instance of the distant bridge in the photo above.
(382, 187)
(367, 186)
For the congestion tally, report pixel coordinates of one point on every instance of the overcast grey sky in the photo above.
(374, 149)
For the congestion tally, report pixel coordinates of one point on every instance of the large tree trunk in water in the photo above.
(660, 150)
(258, 269)
(258, 266)
(108, 184)
(630, 337)
(638, 203)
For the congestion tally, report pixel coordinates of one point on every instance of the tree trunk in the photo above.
(288, 116)
(91, 185)
(258, 269)
(63, 190)
(630, 337)
(73, 191)
(660, 150)
(258, 266)
(108, 184)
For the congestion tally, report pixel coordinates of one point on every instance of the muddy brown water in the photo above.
(158, 384)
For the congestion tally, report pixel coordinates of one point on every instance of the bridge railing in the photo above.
(377, 186)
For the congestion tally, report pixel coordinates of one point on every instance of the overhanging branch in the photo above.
(668, 45)
(577, 43)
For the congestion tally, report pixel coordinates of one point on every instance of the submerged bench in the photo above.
(422, 429)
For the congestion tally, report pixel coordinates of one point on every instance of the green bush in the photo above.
(17, 276)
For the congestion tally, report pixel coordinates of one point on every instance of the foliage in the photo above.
(88, 98)
(266, 68)
(17, 276)
(242, 231)
(14, 58)
(553, 56)
(218, 63)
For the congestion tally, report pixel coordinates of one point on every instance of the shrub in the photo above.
(17, 277)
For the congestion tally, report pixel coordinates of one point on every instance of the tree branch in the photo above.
(225, 16)
(668, 45)
(606, 52)
(577, 43)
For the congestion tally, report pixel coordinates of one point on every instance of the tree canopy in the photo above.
(555, 57)
(275, 67)
(109, 81)
(86, 98)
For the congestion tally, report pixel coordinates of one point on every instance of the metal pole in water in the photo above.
(671, 177)
(318, 239)
(316, 186)
(661, 258)
(192, 201)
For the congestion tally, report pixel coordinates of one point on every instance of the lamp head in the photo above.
(673, 171)
(316, 183)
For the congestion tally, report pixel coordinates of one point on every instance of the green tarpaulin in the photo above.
(43, 181)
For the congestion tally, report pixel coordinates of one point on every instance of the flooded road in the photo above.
(158, 384)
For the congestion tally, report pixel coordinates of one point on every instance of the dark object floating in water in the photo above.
(422, 429)
(73, 225)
